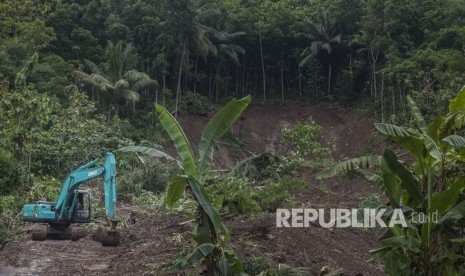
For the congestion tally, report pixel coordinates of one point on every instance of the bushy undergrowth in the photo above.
(306, 150)
(151, 175)
(42, 188)
(190, 103)
(241, 195)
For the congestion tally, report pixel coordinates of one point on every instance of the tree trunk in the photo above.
(217, 83)
(374, 59)
(227, 82)
(186, 68)
(329, 77)
(116, 103)
(263, 66)
(164, 76)
(237, 81)
(300, 84)
(282, 80)
(247, 82)
(382, 98)
(351, 70)
(178, 89)
(210, 86)
(243, 77)
(195, 74)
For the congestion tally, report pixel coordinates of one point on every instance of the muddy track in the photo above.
(54, 257)
(149, 241)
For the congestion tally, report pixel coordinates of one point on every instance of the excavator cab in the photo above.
(83, 207)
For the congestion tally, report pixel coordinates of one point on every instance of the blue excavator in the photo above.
(74, 206)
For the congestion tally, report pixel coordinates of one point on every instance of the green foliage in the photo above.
(45, 139)
(427, 182)
(42, 188)
(116, 76)
(79, 134)
(257, 167)
(244, 196)
(45, 188)
(272, 195)
(153, 176)
(52, 74)
(9, 171)
(10, 222)
(236, 194)
(304, 140)
(374, 51)
(148, 200)
(191, 103)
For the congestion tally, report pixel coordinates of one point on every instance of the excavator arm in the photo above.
(65, 204)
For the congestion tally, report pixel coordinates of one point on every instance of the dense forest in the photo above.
(79, 78)
(125, 55)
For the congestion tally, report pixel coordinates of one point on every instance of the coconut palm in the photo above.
(192, 32)
(323, 35)
(114, 76)
(226, 51)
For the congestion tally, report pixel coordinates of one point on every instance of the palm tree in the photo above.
(188, 23)
(226, 50)
(114, 77)
(323, 35)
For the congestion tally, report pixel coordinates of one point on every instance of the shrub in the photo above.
(10, 222)
(271, 196)
(304, 140)
(256, 167)
(191, 103)
(237, 195)
(152, 176)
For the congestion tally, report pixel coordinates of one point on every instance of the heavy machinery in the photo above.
(74, 205)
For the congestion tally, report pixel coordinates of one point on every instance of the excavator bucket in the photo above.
(107, 237)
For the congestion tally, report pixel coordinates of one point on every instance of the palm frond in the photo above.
(130, 95)
(93, 68)
(121, 84)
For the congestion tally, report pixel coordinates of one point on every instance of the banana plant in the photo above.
(430, 180)
(211, 235)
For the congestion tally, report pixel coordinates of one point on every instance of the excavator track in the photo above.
(58, 233)
(39, 235)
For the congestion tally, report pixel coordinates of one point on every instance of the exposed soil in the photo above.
(346, 133)
(152, 239)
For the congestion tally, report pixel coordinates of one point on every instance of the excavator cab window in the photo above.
(83, 207)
